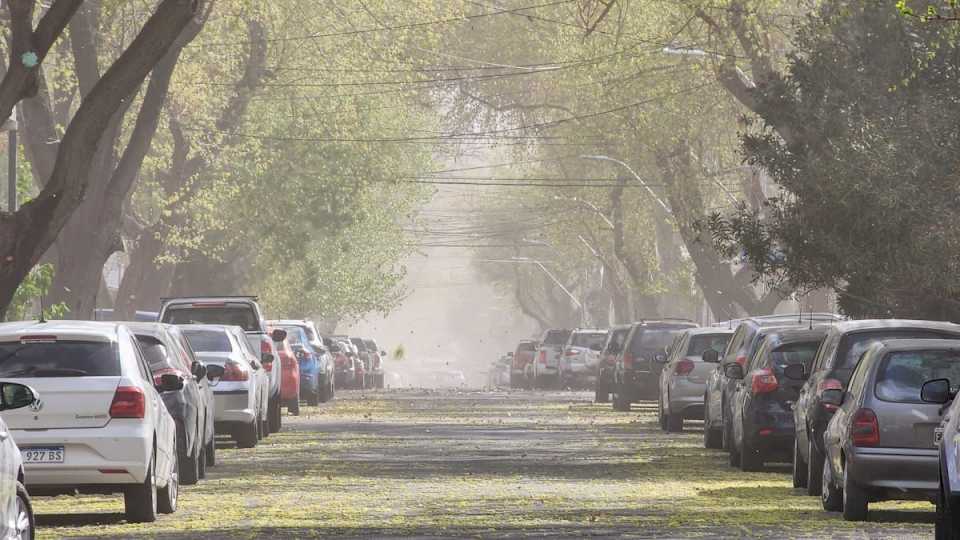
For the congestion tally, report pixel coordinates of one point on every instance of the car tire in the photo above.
(261, 427)
(712, 437)
(26, 523)
(314, 397)
(210, 454)
(830, 496)
(947, 524)
(814, 469)
(750, 458)
(167, 495)
(293, 406)
(189, 465)
(600, 392)
(140, 501)
(203, 462)
(661, 416)
(734, 454)
(674, 423)
(275, 417)
(799, 467)
(855, 504)
(619, 404)
(726, 436)
(246, 436)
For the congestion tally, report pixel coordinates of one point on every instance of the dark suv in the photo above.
(636, 374)
(762, 404)
(835, 360)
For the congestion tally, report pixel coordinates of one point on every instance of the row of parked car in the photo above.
(863, 410)
(135, 407)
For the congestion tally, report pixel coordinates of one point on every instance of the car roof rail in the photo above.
(237, 297)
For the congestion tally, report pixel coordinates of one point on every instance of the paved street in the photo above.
(480, 464)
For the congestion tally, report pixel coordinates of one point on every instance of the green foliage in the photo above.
(27, 298)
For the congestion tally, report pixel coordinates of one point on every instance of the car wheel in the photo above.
(947, 524)
(275, 419)
(674, 423)
(314, 397)
(140, 501)
(619, 404)
(799, 467)
(750, 458)
(167, 495)
(211, 452)
(26, 523)
(600, 393)
(661, 417)
(814, 469)
(246, 435)
(830, 497)
(189, 465)
(855, 506)
(203, 462)
(734, 454)
(712, 437)
(293, 407)
(726, 437)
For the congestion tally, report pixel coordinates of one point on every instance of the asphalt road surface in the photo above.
(420, 463)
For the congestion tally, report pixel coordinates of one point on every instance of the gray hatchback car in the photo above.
(881, 444)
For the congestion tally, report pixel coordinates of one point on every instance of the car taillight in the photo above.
(128, 402)
(543, 357)
(233, 371)
(865, 430)
(627, 361)
(829, 384)
(742, 360)
(570, 352)
(763, 381)
(158, 374)
(684, 367)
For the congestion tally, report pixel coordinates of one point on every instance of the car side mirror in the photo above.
(710, 356)
(936, 391)
(214, 372)
(832, 396)
(733, 370)
(170, 382)
(797, 372)
(199, 370)
(278, 334)
(660, 358)
(16, 396)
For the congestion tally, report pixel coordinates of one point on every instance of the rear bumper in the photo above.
(116, 447)
(234, 406)
(895, 469)
(685, 394)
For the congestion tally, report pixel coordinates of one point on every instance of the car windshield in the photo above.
(589, 340)
(794, 353)
(240, 315)
(556, 337)
(902, 374)
(854, 345)
(653, 340)
(59, 359)
(704, 342)
(208, 340)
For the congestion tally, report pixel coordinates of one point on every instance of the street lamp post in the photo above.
(10, 126)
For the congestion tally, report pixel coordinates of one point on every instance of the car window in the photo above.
(759, 358)
(588, 340)
(242, 315)
(901, 374)
(853, 345)
(59, 359)
(129, 346)
(154, 352)
(735, 342)
(527, 346)
(556, 337)
(679, 346)
(208, 340)
(650, 341)
(825, 352)
(699, 344)
(800, 352)
(859, 376)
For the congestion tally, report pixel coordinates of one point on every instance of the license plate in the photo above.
(937, 435)
(42, 454)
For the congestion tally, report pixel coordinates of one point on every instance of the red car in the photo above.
(520, 371)
(290, 382)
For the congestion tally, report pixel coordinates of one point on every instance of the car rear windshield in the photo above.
(208, 340)
(154, 352)
(702, 343)
(239, 315)
(903, 373)
(527, 346)
(589, 340)
(59, 359)
(556, 337)
(295, 334)
(801, 352)
(854, 345)
(652, 340)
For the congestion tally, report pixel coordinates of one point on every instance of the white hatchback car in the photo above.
(101, 425)
(16, 512)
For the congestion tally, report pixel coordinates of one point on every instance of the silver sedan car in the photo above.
(881, 444)
(683, 381)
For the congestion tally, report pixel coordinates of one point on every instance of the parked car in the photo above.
(577, 367)
(762, 420)
(741, 347)
(364, 356)
(315, 366)
(101, 426)
(107, 314)
(240, 384)
(881, 442)
(636, 373)
(16, 509)
(683, 381)
(608, 361)
(947, 437)
(376, 357)
(521, 370)
(345, 365)
(167, 351)
(498, 375)
(290, 387)
(835, 360)
(544, 371)
(242, 311)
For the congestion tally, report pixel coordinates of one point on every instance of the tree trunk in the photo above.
(145, 281)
